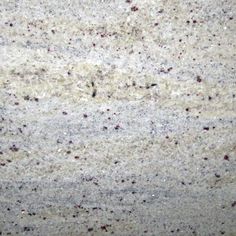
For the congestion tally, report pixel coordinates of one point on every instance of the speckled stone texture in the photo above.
(118, 117)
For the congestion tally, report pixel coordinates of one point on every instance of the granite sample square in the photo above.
(118, 117)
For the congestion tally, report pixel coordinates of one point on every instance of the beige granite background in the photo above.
(117, 117)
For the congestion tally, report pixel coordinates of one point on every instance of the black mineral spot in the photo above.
(153, 85)
(199, 80)
(233, 204)
(104, 227)
(13, 148)
(27, 98)
(217, 175)
(94, 93)
(26, 228)
(134, 8)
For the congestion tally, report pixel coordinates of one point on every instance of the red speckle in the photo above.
(117, 127)
(226, 157)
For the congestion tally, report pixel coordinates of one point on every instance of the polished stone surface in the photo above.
(118, 117)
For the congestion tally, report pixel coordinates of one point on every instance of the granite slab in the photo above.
(118, 117)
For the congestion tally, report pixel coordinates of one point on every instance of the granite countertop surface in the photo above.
(118, 117)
